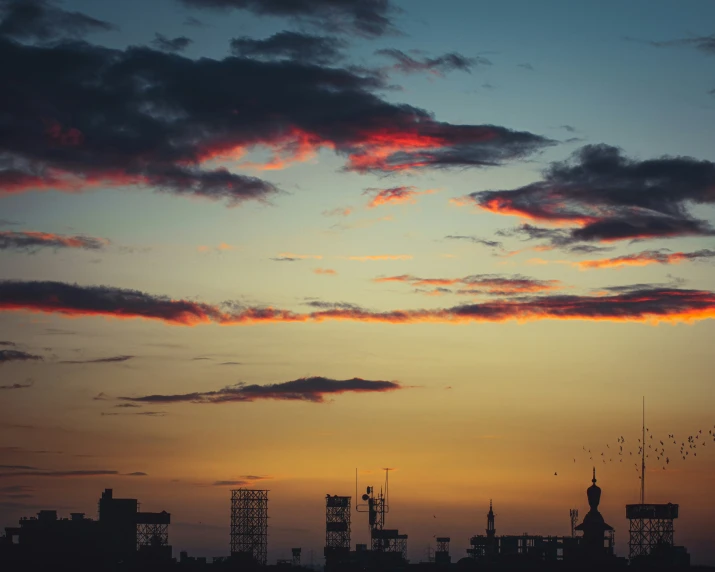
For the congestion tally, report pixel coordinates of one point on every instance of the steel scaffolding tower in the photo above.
(651, 527)
(152, 529)
(249, 524)
(337, 523)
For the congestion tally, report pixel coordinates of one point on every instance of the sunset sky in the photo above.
(258, 243)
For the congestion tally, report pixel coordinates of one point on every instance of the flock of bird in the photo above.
(661, 452)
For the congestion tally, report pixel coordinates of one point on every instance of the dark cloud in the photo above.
(703, 43)
(588, 248)
(438, 65)
(113, 359)
(18, 468)
(43, 20)
(655, 304)
(178, 44)
(610, 197)
(6, 343)
(313, 389)
(231, 483)
(16, 489)
(102, 127)
(58, 474)
(526, 66)
(569, 128)
(23, 385)
(231, 363)
(125, 405)
(286, 259)
(334, 305)
(137, 474)
(33, 241)
(194, 22)
(492, 284)
(361, 17)
(475, 240)
(295, 46)
(101, 397)
(15, 355)
(74, 300)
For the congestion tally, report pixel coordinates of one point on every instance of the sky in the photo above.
(264, 244)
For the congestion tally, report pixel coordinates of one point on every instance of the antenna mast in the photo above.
(643, 457)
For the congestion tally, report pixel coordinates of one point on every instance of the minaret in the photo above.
(593, 525)
(491, 531)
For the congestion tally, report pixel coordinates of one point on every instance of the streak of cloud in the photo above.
(641, 305)
(312, 389)
(33, 241)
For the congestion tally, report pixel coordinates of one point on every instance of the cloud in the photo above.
(703, 43)
(291, 257)
(6, 343)
(178, 44)
(42, 20)
(476, 240)
(222, 247)
(306, 48)
(32, 241)
(16, 489)
(113, 359)
(15, 355)
(162, 138)
(492, 284)
(73, 300)
(18, 468)
(24, 385)
(231, 363)
(58, 474)
(645, 258)
(380, 257)
(369, 18)
(394, 195)
(437, 66)
(339, 211)
(313, 389)
(125, 405)
(334, 305)
(137, 474)
(245, 480)
(609, 197)
(526, 66)
(642, 305)
(325, 271)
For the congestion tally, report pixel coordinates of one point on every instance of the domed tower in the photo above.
(593, 525)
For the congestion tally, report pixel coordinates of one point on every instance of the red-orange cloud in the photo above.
(325, 271)
(645, 258)
(395, 195)
(644, 304)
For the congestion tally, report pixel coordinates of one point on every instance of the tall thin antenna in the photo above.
(643, 457)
